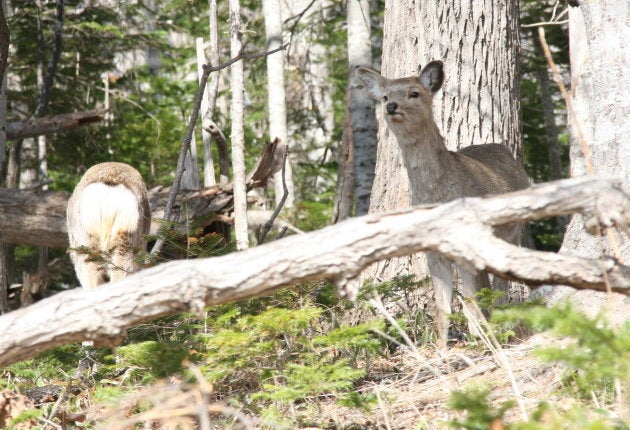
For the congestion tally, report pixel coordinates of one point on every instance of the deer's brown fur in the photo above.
(108, 217)
(439, 175)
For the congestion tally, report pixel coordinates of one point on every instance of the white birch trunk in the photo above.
(363, 119)
(276, 97)
(237, 134)
(208, 162)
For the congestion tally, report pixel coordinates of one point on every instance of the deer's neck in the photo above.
(428, 163)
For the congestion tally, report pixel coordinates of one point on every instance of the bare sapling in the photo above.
(108, 218)
(439, 175)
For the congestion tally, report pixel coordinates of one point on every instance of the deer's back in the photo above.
(492, 169)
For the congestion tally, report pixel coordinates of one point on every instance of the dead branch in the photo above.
(460, 229)
(51, 124)
(269, 224)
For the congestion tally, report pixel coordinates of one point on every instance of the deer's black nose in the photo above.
(391, 107)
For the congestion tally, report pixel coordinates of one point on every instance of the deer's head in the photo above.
(407, 102)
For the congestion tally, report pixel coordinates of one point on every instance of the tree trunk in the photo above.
(363, 118)
(598, 39)
(461, 229)
(480, 99)
(213, 90)
(237, 136)
(4, 56)
(208, 162)
(345, 175)
(276, 97)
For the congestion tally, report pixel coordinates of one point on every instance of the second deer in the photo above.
(439, 175)
(108, 218)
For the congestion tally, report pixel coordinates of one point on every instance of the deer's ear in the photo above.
(432, 76)
(372, 80)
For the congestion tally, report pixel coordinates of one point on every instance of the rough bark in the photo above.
(479, 102)
(460, 229)
(598, 35)
(237, 136)
(362, 114)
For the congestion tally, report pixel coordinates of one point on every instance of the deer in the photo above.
(438, 175)
(108, 218)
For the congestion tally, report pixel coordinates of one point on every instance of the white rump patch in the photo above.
(104, 211)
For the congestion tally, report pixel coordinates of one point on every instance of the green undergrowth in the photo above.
(278, 357)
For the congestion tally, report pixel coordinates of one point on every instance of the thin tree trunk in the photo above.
(276, 97)
(4, 56)
(237, 134)
(213, 90)
(363, 118)
(345, 175)
(208, 162)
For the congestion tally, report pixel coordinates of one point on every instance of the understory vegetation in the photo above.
(289, 361)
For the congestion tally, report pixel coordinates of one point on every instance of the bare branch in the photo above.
(52, 124)
(269, 224)
(460, 229)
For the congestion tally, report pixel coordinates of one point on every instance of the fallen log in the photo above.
(461, 230)
(28, 217)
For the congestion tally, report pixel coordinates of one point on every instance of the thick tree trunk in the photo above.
(480, 99)
(363, 118)
(598, 35)
(461, 229)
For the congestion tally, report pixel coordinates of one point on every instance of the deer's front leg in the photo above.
(441, 270)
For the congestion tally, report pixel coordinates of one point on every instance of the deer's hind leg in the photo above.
(91, 274)
(123, 257)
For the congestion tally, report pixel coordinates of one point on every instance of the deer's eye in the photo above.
(414, 94)
(385, 98)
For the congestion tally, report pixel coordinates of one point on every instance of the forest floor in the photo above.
(412, 389)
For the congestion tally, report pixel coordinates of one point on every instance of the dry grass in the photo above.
(409, 393)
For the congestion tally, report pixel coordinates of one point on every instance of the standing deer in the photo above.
(108, 218)
(439, 175)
